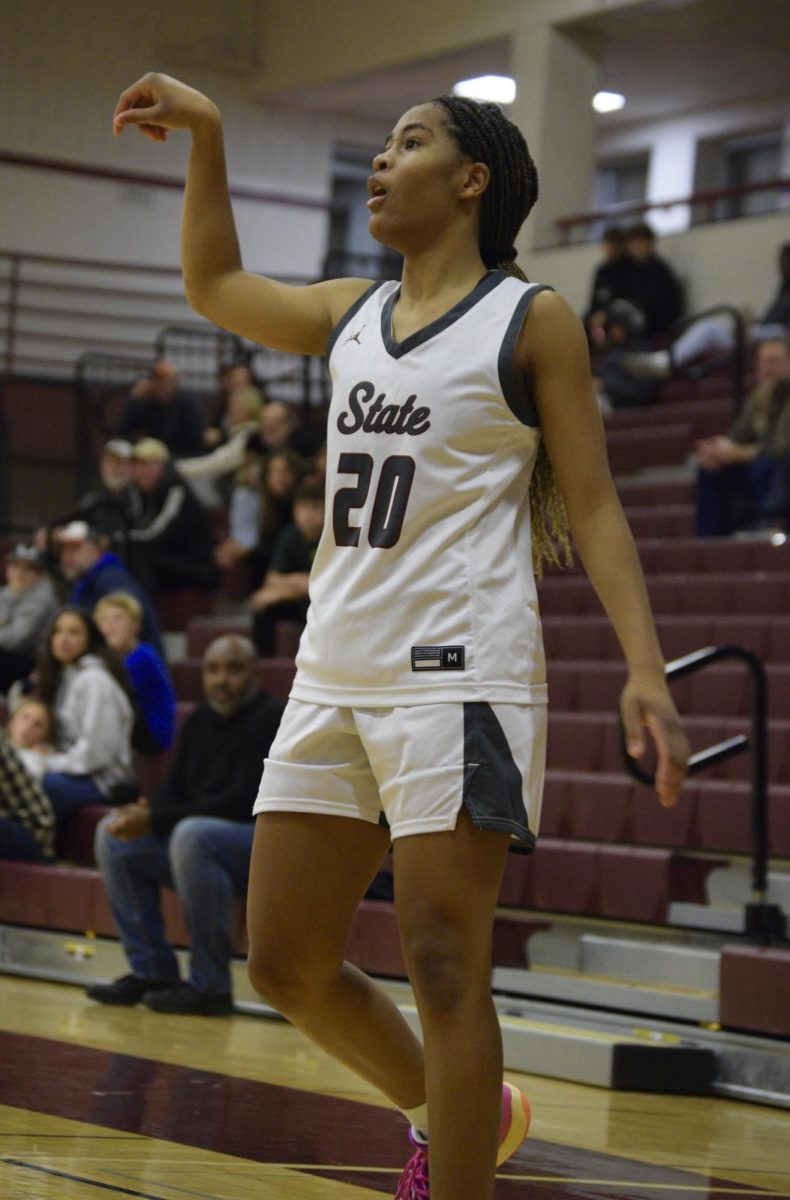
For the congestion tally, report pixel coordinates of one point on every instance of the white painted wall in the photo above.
(62, 67)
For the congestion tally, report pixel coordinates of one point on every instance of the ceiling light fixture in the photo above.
(604, 102)
(499, 88)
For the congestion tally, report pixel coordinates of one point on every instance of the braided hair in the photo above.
(483, 133)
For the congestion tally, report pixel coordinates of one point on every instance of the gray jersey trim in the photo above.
(493, 788)
(515, 389)
(397, 349)
(350, 313)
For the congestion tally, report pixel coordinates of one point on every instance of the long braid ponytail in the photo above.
(484, 134)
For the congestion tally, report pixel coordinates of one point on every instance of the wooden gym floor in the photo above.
(100, 1102)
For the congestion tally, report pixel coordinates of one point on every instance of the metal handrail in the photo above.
(764, 921)
(638, 208)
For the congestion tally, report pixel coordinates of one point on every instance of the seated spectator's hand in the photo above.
(261, 599)
(131, 821)
(717, 452)
(596, 327)
(212, 437)
(228, 553)
(140, 389)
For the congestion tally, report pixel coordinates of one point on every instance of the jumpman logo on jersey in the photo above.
(355, 336)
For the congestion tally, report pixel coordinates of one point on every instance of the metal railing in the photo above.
(763, 921)
(716, 204)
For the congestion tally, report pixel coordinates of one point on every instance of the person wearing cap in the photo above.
(171, 542)
(106, 508)
(27, 603)
(157, 408)
(94, 571)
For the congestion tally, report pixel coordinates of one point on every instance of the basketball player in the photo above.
(418, 711)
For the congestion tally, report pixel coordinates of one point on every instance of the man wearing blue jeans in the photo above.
(194, 835)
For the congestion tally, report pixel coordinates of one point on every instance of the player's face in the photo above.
(415, 188)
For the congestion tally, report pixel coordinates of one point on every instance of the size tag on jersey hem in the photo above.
(438, 658)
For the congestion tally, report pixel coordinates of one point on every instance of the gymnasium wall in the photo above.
(62, 67)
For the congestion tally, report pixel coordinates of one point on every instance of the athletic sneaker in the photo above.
(514, 1126)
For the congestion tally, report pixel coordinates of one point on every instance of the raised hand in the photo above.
(157, 103)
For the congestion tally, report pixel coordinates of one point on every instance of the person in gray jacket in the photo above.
(27, 603)
(85, 683)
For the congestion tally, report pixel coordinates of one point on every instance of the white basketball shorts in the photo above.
(411, 767)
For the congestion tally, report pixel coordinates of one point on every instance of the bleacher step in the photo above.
(656, 962)
(582, 988)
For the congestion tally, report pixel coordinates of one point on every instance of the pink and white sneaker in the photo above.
(514, 1127)
(414, 1183)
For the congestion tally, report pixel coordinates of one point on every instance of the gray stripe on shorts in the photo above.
(493, 789)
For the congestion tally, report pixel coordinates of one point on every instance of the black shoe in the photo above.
(182, 998)
(129, 989)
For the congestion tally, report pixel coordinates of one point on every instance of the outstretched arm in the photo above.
(296, 319)
(553, 351)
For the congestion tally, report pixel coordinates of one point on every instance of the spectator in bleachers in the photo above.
(284, 594)
(106, 508)
(170, 544)
(261, 506)
(157, 408)
(742, 477)
(27, 604)
(610, 283)
(615, 385)
(232, 377)
(206, 471)
(278, 429)
(94, 571)
(652, 284)
(194, 835)
(31, 732)
(86, 685)
(27, 821)
(119, 616)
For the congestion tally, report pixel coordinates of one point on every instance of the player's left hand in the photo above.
(647, 704)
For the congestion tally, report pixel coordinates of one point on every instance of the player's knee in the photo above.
(280, 978)
(438, 969)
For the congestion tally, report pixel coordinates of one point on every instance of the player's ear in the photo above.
(475, 180)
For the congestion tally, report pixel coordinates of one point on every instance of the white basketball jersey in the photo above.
(422, 590)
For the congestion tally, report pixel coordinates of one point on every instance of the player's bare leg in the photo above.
(307, 877)
(447, 886)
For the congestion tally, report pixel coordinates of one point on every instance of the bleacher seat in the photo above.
(176, 609)
(754, 987)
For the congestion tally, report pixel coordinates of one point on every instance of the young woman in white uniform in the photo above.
(462, 417)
